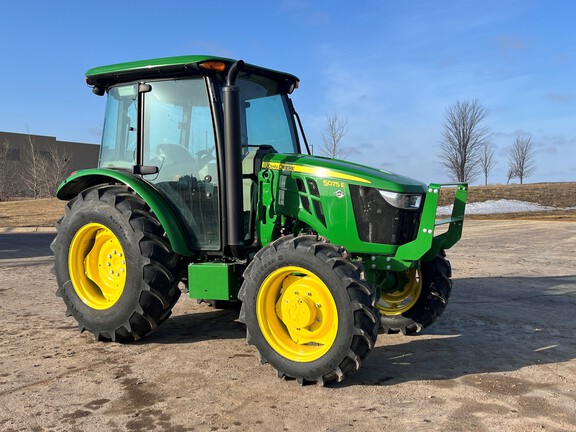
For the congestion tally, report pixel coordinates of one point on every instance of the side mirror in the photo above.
(98, 91)
(145, 169)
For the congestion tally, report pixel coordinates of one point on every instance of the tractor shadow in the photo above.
(203, 323)
(490, 325)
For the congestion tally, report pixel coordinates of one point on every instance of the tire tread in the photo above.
(361, 296)
(161, 270)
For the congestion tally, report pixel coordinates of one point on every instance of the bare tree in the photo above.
(57, 165)
(487, 160)
(510, 174)
(44, 169)
(521, 159)
(32, 169)
(336, 128)
(5, 178)
(463, 139)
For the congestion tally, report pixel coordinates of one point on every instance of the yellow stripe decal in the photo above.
(316, 171)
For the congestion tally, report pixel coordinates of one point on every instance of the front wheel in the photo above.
(419, 300)
(307, 311)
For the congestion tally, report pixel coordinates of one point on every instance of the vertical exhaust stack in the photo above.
(233, 161)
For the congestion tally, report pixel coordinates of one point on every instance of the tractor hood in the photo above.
(339, 170)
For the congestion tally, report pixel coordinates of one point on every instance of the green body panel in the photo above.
(158, 63)
(353, 173)
(167, 66)
(281, 196)
(213, 281)
(83, 179)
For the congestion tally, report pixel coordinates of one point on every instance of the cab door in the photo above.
(179, 140)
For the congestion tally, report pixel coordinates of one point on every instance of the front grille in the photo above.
(379, 222)
(310, 198)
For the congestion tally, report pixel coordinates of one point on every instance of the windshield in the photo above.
(266, 117)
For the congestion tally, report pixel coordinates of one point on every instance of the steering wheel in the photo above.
(173, 153)
(204, 157)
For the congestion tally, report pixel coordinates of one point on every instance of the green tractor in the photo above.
(206, 181)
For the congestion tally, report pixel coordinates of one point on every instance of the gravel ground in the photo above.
(502, 358)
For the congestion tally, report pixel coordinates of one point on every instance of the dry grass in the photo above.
(42, 212)
(45, 212)
(560, 195)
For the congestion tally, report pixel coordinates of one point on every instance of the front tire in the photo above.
(421, 300)
(115, 269)
(307, 311)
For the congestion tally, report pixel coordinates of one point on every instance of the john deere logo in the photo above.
(339, 193)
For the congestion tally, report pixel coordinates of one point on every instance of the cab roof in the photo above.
(169, 67)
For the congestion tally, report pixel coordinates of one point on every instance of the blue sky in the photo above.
(391, 67)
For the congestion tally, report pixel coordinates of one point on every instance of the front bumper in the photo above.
(426, 245)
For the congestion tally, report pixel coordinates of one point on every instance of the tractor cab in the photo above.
(170, 130)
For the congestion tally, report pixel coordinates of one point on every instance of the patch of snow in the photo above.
(499, 206)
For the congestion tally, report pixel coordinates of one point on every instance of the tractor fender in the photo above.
(83, 179)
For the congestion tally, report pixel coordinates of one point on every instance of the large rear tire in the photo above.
(307, 311)
(421, 300)
(115, 269)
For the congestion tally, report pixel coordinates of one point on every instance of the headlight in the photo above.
(403, 201)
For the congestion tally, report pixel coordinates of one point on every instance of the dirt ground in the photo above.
(502, 358)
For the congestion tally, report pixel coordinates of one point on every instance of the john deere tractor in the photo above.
(206, 183)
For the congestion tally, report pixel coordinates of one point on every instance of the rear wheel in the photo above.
(115, 269)
(307, 311)
(422, 298)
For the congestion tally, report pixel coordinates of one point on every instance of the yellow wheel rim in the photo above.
(97, 266)
(401, 300)
(297, 314)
